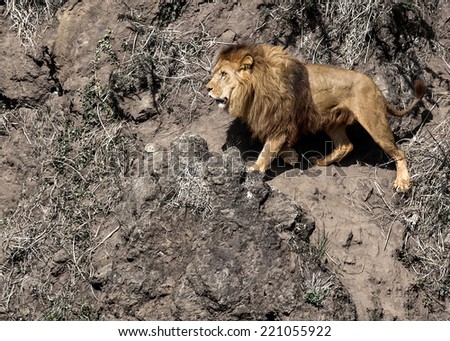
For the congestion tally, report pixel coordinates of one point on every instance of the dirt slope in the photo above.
(97, 222)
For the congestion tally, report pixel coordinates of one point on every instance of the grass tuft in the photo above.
(26, 15)
(316, 289)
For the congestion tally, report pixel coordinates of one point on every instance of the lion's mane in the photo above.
(275, 98)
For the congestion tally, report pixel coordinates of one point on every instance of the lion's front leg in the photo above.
(270, 150)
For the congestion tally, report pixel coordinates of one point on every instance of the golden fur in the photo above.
(280, 98)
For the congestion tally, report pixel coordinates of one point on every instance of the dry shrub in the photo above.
(348, 33)
(316, 288)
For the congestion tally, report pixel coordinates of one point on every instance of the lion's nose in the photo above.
(208, 86)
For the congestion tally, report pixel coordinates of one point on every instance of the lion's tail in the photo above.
(419, 89)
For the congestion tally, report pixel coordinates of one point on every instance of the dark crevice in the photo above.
(8, 103)
(272, 316)
(49, 60)
(97, 286)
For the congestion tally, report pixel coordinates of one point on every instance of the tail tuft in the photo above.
(419, 88)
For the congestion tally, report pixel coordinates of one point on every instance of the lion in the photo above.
(281, 98)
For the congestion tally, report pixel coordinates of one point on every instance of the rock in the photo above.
(145, 192)
(228, 167)
(187, 149)
(61, 256)
(222, 245)
(156, 161)
(227, 36)
(25, 77)
(288, 216)
(101, 276)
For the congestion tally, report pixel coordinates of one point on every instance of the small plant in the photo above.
(316, 289)
(320, 247)
(96, 96)
(313, 297)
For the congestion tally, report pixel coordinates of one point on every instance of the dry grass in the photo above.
(339, 28)
(348, 33)
(426, 212)
(82, 164)
(76, 186)
(166, 59)
(26, 16)
(67, 208)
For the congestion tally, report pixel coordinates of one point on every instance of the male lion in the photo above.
(280, 98)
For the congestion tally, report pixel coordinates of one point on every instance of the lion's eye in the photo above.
(223, 74)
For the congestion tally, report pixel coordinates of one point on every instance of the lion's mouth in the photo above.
(222, 102)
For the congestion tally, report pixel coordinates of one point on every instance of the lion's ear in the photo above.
(247, 62)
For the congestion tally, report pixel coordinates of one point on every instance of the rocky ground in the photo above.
(124, 194)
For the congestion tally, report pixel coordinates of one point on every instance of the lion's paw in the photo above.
(255, 168)
(252, 169)
(402, 185)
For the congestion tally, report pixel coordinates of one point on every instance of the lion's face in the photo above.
(227, 76)
(222, 84)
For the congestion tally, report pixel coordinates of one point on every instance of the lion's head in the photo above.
(230, 76)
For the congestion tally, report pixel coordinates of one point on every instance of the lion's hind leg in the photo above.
(342, 146)
(402, 182)
(377, 126)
